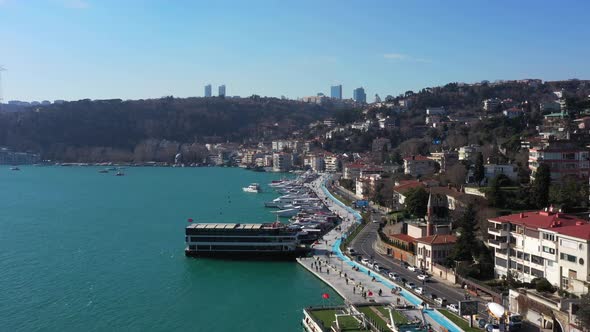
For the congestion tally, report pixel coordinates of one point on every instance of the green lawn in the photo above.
(327, 317)
(379, 322)
(463, 324)
(397, 316)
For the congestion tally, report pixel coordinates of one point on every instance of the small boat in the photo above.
(112, 169)
(286, 212)
(14, 168)
(119, 173)
(252, 188)
(103, 171)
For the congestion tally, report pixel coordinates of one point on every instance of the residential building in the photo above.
(352, 171)
(332, 164)
(320, 99)
(386, 123)
(314, 162)
(365, 185)
(469, 152)
(405, 103)
(330, 122)
(493, 170)
(542, 244)
(565, 159)
(513, 112)
(490, 105)
(336, 92)
(445, 159)
(418, 166)
(434, 249)
(436, 111)
(550, 106)
(222, 90)
(401, 190)
(208, 90)
(381, 145)
(359, 95)
(282, 162)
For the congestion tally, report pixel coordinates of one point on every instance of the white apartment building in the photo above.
(418, 165)
(469, 152)
(545, 244)
(564, 159)
(282, 162)
(314, 162)
(491, 104)
(332, 164)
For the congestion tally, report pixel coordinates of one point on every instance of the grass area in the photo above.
(352, 235)
(398, 318)
(327, 318)
(463, 324)
(372, 316)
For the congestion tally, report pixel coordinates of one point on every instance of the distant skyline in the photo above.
(134, 49)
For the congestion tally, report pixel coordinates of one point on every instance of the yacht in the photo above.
(119, 173)
(252, 188)
(14, 168)
(251, 241)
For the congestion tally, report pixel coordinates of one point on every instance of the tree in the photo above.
(495, 196)
(541, 185)
(583, 312)
(543, 285)
(464, 249)
(479, 171)
(417, 201)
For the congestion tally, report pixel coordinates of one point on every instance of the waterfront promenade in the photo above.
(353, 282)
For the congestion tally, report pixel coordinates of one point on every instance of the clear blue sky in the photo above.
(74, 49)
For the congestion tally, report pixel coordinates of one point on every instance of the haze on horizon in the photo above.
(75, 49)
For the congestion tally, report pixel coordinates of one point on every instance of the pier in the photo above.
(356, 283)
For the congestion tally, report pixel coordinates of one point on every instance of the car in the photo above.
(351, 251)
(453, 308)
(492, 328)
(404, 280)
(365, 261)
(419, 290)
(412, 268)
(410, 285)
(433, 296)
(376, 267)
(441, 301)
(423, 277)
(404, 264)
(393, 276)
(384, 271)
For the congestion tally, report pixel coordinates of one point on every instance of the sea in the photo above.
(86, 251)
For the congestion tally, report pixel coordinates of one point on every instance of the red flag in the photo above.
(370, 293)
(189, 220)
(326, 296)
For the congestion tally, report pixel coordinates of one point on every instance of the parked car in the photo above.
(376, 267)
(433, 296)
(351, 251)
(404, 280)
(393, 276)
(492, 328)
(412, 268)
(419, 290)
(365, 261)
(441, 301)
(453, 308)
(423, 277)
(410, 285)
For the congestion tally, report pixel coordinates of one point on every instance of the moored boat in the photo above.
(252, 188)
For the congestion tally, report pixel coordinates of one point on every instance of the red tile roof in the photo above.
(418, 157)
(438, 239)
(557, 222)
(403, 188)
(402, 237)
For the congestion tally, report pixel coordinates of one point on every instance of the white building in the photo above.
(545, 244)
(436, 111)
(418, 165)
(493, 170)
(433, 249)
(314, 162)
(332, 164)
(469, 152)
(491, 104)
(564, 159)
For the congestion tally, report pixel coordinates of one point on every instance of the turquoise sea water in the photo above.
(80, 251)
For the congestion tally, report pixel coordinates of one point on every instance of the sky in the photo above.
(132, 49)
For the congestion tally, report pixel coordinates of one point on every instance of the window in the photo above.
(526, 257)
(519, 254)
(568, 258)
(549, 250)
(537, 273)
(547, 236)
(527, 270)
(537, 260)
(581, 261)
(565, 282)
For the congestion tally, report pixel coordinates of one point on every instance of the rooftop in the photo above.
(403, 188)
(438, 239)
(418, 157)
(553, 221)
(402, 237)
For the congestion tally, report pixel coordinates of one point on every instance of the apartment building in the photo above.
(332, 164)
(564, 159)
(418, 165)
(433, 249)
(282, 162)
(545, 244)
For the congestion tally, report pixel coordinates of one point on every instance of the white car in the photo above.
(453, 308)
(393, 276)
(440, 301)
(376, 267)
(410, 285)
(419, 290)
(365, 261)
(412, 268)
(423, 277)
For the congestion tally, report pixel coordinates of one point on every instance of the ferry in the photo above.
(252, 188)
(250, 241)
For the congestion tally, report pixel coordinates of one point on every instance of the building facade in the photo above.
(336, 92)
(282, 162)
(544, 244)
(433, 249)
(222, 90)
(359, 95)
(208, 90)
(418, 166)
(563, 158)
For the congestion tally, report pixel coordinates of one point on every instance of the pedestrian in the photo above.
(346, 281)
(353, 289)
(380, 292)
(345, 275)
(327, 271)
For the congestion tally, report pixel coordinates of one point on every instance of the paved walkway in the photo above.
(354, 285)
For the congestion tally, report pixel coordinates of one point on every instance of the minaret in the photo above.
(429, 209)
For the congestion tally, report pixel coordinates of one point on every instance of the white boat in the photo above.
(252, 188)
(287, 212)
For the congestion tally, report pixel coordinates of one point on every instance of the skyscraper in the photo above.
(359, 95)
(222, 90)
(336, 91)
(208, 90)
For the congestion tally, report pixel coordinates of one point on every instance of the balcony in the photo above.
(497, 244)
(497, 231)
